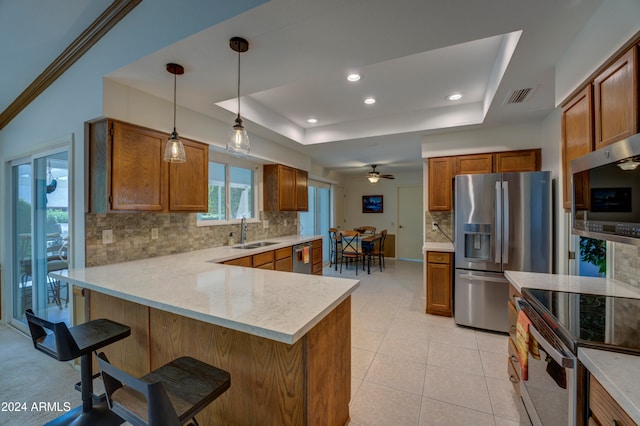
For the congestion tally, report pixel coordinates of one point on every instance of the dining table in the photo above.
(369, 241)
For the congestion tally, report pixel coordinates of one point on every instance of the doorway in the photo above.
(410, 221)
(40, 236)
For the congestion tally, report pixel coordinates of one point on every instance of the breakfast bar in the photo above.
(285, 338)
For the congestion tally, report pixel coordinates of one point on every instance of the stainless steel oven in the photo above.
(549, 393)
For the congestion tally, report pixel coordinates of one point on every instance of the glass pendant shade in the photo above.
(174, 150)
(373, 178)
(238, 139)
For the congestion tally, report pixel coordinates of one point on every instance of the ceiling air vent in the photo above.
(518, 96)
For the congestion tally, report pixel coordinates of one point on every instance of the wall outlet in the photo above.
(265, 224)
(434, 226)
(154, 233)
(107, 236)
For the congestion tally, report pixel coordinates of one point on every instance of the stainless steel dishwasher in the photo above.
(302, 258)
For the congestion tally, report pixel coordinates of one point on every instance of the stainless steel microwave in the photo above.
(605, 187)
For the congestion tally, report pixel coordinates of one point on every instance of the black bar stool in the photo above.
(170, 395)
(65, 344)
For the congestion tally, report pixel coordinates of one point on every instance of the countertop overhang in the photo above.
(281, 306)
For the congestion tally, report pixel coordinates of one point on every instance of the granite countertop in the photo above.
(618, 373)
(281, 306)
(432, 246)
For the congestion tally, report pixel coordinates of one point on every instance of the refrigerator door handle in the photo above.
(505, 222)
(498, 225)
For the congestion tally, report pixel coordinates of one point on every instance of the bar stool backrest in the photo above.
(66, 347)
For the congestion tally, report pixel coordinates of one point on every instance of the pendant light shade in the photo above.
(238, 142)
(174, 149)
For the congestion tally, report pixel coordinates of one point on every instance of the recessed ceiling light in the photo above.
(454, 97)
(312, 120)
(353, 77)
(370, 101)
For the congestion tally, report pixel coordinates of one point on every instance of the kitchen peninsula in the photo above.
(285, 338)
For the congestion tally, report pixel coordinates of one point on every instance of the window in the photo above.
(231, 194)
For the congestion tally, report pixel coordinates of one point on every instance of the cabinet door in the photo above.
(474, 164)
(287, 188)
(604, 409)
(616, 100)
(439, 284)
(189, 181)
(138, 175)
(440, 184)
(527, 160)
(577, 140)
(302, 190)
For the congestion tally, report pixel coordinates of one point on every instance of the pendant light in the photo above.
(238, 142)
(174, 150)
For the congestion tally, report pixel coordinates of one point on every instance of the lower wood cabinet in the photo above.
(440, 283)
(284, 259)
(316, 257)
(513, 363)
(603, 408)
(280, 259)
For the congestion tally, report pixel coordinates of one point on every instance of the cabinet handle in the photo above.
(512, 379)
(514, 359)
(513, 328)
(615, 423)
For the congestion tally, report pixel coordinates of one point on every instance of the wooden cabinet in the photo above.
(127, 172)
(264, 260)
(246, 261)
(440, 184)
(284, 260)
(526, 160)
(616, 100)
(439, 283)
(316, 257)
(285, 188)
(577, 140)
(603, 408)
(513, 364)
(473, 164)
(443, 169)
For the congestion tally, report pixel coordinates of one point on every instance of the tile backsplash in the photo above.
(177, 233)
(626, 264)
(444, 221)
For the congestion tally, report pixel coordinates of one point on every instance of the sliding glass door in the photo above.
(40, 205)
(317, 220)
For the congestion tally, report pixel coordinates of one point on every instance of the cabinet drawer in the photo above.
(513, 376)
(438, 257)
(316, 269)
(263, 258)
(513, 356)
(512, 317)
(241, 261)
(268, 265)
(284, 265)
(604, 408)
(283, 253)
(316, 244)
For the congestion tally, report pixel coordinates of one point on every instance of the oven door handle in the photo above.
(567, 361)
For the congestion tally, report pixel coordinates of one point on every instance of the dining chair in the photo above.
(335, 247)
(351, 248)
(379, 253)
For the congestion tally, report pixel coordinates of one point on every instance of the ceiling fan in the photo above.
(375, 176)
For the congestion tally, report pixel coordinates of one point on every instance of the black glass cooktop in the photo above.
(589, 320)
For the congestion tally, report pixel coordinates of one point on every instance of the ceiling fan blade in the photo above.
(388, 176)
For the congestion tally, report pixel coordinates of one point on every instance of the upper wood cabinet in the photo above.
(443, 169)
(616, 100)
(127, 173)
(526, 160)
(285, 188)
(440, 175)
(577, 140)
(473, 164)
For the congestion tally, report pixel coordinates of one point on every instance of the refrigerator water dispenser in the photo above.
(477, 241)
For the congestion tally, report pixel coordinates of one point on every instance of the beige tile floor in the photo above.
(410, 368)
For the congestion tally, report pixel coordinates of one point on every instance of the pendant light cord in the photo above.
(174, 102)
(238, 83)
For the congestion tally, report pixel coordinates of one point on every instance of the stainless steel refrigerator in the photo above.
(502, 222)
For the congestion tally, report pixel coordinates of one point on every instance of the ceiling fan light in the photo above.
(629, 165)
(174, 149)
(373, 178)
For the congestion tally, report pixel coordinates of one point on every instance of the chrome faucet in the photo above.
(243, 229)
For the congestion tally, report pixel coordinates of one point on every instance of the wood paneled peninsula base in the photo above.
(285, 338)
(272, 383)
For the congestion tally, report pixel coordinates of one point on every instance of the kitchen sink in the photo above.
(254, 245)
